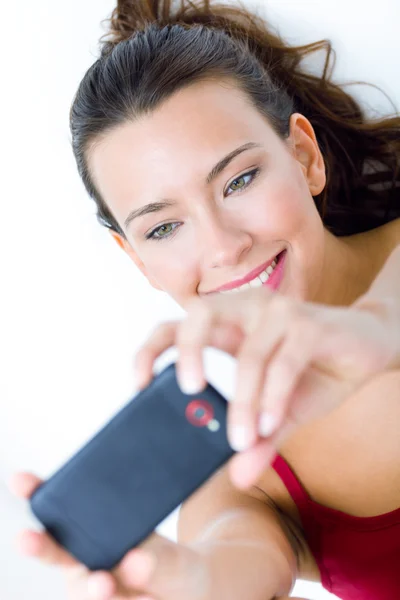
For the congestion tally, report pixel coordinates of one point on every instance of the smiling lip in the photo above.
(238, 282)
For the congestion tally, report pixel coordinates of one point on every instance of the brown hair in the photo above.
(154, 49)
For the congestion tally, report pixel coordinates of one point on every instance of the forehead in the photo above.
(188, 133)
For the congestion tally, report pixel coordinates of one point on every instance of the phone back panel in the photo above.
(133, 473)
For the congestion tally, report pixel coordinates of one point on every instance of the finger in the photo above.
(192, 337)
(270, 319)
(137, 569)
(205, 314)
(98, 585)
(161, 339)
(163, 569)
(101, 585)
(244, 308)
(42, 546)
(284, 371)
(23, 484)
(253, 359)
(246, 468)
(227, 337)
(34, 543)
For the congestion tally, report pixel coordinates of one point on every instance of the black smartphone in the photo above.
(151, 456)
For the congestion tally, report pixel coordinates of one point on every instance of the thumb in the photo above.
(164, 569)
(246, 467)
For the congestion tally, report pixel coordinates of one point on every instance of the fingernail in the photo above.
(190, 384)
(240, 438)
(267, 425)
(141, 382)
(140, 379)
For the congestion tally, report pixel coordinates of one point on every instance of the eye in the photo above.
(164, 229)
(242, 182)
(237, 185)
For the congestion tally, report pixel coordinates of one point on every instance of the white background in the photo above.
(73, 307)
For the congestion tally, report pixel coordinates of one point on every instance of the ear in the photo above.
(125, 245)
(307, 152)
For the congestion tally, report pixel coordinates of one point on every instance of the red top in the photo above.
(358, 557)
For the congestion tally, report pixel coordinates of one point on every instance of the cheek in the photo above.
(286, 212)
(279, 211)
(173, 266)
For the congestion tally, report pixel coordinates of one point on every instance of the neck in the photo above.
(350, 265)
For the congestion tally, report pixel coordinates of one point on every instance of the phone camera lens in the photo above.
(199, 413)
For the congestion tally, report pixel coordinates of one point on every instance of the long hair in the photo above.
(154, 48)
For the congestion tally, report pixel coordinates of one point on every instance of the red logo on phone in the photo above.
(199, 413)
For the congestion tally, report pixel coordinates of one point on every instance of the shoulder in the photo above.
(391, 234)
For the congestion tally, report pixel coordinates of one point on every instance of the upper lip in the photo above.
(238, 282)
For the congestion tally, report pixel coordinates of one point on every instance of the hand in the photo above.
(159, 569)
(179, 572)
(296, 361)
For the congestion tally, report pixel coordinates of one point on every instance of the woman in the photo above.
(262, 176)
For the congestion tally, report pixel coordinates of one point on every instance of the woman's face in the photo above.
(206, 230)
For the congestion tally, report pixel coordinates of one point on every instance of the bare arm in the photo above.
(251, 554)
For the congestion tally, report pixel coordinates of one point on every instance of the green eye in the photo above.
(242, 182)
(238, 183)
(165, 231)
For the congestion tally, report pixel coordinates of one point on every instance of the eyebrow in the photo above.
(215, 171)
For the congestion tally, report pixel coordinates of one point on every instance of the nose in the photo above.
(222, 244)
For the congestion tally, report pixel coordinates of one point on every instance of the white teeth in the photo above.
(256, 282)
